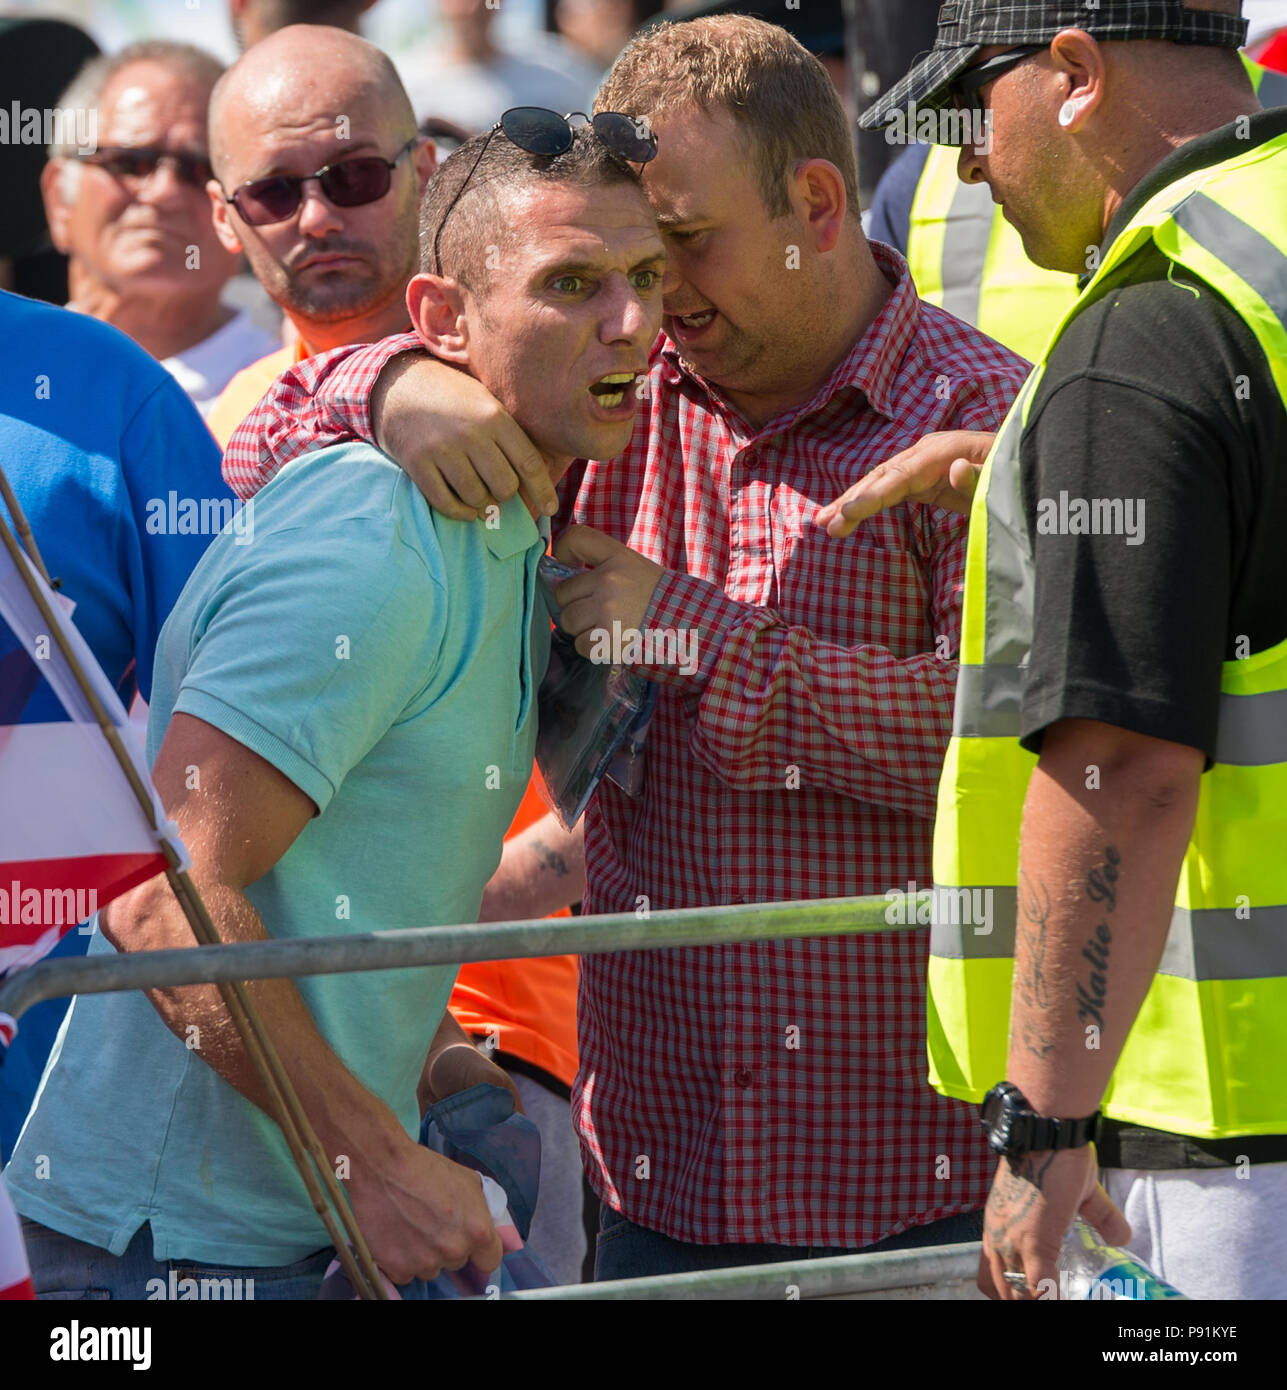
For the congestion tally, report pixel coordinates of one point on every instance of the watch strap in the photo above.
(1047, 1133)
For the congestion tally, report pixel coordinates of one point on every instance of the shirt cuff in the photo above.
(240, 727)
(689, 621)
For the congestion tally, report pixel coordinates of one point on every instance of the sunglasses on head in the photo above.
(541, 131)
(965, 90)
(348, 183)
(139, 162)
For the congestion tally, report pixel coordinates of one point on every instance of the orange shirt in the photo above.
(242, 394)
(530, 1003)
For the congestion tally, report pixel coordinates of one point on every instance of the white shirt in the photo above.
(204, 369)
(549, 73)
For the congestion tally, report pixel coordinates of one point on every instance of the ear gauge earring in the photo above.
(1066, 113)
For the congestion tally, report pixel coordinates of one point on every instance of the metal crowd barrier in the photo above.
(937, 1272)
(396, 950)
(941, 1272)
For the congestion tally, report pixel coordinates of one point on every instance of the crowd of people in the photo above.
(658, 342)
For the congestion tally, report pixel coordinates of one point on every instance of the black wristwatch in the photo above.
(1014, 1128)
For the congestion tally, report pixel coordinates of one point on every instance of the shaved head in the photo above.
(497, 176)
(306, 98)
(306, 70)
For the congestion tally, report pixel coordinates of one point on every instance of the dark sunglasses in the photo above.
(140, 162)
(540, 131)
(965, 90)
(348, 183)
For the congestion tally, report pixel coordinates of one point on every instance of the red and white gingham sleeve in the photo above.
(323, 400)
(857, 720)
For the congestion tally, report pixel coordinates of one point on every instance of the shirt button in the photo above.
(743, 1078)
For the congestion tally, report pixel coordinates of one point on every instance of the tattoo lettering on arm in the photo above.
(550, 859)
(1034, 917)
(1101, 887)
(1034, 910)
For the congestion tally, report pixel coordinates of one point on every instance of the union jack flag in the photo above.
(73, 834)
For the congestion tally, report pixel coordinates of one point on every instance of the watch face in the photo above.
(998, 1119)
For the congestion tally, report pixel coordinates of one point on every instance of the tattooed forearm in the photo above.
(1101, 887)
(1030, 978)
(1034, 913)
(550, 859)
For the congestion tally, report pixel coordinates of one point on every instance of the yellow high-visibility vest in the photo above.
(966, 258)
(1207, 1055)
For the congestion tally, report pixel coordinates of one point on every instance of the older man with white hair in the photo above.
(130, 210)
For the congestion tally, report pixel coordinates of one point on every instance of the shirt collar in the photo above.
(870, 367)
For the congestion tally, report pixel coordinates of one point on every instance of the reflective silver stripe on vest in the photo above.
(1211, 943)
(1273, 89)
(1252, 729)
(1011, 575)
(1251, 256)
(966, 237)
(959, 930)
(987, 701)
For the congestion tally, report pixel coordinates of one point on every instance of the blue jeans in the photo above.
(627, 1251)
(64, 1267)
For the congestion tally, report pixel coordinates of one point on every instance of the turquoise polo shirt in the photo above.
(386, 660)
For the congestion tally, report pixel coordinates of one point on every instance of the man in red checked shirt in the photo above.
(758, 1101)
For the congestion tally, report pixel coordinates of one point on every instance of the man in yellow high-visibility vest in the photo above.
(1125, 633)
(966, 258)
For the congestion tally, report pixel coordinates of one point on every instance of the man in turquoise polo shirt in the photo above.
(342, 726)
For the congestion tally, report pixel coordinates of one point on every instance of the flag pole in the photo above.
(23, 528)
(296, 1128)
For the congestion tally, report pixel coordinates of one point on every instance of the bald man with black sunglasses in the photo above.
(318, 172)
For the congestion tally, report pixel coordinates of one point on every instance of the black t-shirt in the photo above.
(1159, 405)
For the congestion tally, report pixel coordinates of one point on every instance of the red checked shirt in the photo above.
(764, 1091)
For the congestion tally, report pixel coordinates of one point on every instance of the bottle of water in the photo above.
(1089, 1269)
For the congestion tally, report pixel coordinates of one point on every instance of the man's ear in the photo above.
(57, 208)
(437, 308)
(224, 229)
(819, 197)
(425, 156)
(1081, 72)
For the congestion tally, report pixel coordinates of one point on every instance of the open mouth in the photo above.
(610, 390)
(695, 322)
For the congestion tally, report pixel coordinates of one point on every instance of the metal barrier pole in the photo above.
(949, 1271)
(397, 950)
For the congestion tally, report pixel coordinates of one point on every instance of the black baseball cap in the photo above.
(965, 27)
